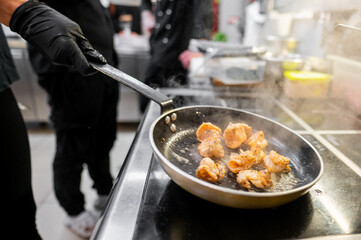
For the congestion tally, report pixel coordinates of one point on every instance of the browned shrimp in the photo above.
(234, 135)
(210, 171)
(207, 130)
(257, 137)
(247, 129)
(277, 163)
(260, 179)
(242, 161)
(211, 147)
(258, 153)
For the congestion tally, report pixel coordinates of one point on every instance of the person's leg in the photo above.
(74, 101)
(67, 168)
(77, 109)
(19, 203)
(105, 135)
(65, 94)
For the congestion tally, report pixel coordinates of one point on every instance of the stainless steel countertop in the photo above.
(119, 218)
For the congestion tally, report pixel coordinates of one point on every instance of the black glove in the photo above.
(56, 36)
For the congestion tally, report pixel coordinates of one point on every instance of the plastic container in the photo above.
(304, 84)
(236, 71)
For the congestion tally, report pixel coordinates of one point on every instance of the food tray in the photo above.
(236, 72)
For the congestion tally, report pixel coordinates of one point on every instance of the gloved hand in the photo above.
(56, 36)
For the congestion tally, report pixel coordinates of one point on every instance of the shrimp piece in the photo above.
(211, 147)
(277, 163)
(210, 171)
(247, 129)
(257, 137)
(258, 153)
(234, 135)
(260, 179)
(207, 130)
(242, 161)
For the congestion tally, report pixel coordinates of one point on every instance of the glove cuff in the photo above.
(22, 16)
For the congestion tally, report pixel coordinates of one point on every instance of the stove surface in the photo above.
(154, 207)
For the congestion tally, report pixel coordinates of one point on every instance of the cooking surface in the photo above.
(172, 211)
(147, 204)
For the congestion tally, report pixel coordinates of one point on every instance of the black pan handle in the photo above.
(164, 102)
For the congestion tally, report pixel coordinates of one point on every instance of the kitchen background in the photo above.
(256, 42)
(305, 32)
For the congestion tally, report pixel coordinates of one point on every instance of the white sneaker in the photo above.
(101, 202)
(82, 224)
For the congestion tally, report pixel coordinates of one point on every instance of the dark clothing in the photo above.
(20, 207)
(171, 76)
(15, 146)
(15, 158)
(80, 102)
(8, 72)
(83, 109)
(177, 22)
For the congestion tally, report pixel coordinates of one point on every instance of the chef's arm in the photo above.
(57, 37)
(7, 8)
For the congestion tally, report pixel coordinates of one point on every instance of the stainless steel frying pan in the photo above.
(174, 143)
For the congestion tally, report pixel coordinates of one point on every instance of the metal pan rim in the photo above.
(228, 190)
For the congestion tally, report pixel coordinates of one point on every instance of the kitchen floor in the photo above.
(50, 216)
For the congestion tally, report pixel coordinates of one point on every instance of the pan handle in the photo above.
(164, 102)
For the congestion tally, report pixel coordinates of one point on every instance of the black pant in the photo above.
(19, 206)
(83, 111)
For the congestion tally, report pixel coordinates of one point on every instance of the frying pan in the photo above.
(173, 140)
